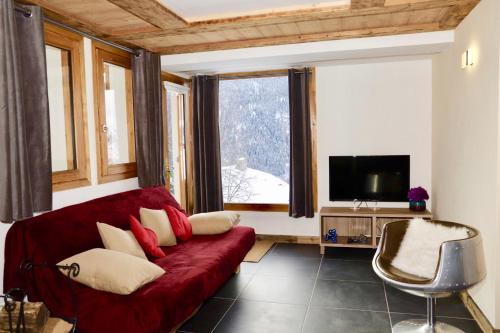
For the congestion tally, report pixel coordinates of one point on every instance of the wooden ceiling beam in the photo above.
(360, 4)
(66, 18)
(383, 31)
(153, 12)
(456, 14)
(324, 13)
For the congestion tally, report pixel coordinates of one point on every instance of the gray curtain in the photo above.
(301, 179)
(206, 141)
(25, 165)
(147, 90)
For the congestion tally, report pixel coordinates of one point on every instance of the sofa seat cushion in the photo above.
(194, 271)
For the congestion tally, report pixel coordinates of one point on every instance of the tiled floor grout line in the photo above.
(387, 304)
(241, 292)
(309, 306)
(221, 318)
(312, 294)
(353, 281)
(437, 316)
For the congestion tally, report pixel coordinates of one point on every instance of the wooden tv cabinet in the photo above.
(367, 221)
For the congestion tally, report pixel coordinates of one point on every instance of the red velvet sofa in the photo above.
(194, 269)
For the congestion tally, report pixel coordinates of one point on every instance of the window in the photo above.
(175, 100)
(255, 142)
(115, 117)
(66, 90)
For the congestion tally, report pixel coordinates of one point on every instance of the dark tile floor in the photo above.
(295, 289)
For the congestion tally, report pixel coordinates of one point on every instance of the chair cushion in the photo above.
(418, 252)
(113, 271)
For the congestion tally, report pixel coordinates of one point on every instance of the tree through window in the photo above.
(255, 140)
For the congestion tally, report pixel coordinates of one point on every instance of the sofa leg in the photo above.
(237, 270)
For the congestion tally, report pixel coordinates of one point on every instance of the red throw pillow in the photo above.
(179, 222)
(146, 237)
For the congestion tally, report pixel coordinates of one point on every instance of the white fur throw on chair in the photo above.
(418, 253)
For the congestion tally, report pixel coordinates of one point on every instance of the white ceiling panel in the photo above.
(198, 10)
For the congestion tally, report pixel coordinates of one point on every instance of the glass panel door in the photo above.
(175, 147)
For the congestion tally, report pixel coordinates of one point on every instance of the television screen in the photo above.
(370, 178)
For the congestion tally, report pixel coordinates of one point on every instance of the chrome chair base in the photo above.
(421, 326)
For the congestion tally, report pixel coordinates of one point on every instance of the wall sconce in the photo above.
(467, 59)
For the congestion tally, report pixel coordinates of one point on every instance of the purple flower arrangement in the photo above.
(418, 194)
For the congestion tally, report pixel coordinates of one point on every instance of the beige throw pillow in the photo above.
(113, 271)
(157, 220)
(120, 240)
(213, 223)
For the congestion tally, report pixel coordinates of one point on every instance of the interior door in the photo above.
(175, 104)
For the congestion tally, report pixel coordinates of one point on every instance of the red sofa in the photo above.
(194, 269)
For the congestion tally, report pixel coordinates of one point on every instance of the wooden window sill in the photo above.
(256, 207)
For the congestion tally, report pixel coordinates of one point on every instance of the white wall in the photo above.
(373, 108)
(465, 140)
(70, 197)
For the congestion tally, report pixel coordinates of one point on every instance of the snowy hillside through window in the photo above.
(255, 133)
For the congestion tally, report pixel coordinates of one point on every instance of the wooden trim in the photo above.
(108, 173)
(181, 138)
(300, 38)
(254, 74)
(181, 114)
(256, 207)
(68, 112)
(159, 28)
(165, 138)
(477, 314)
(166, 76)
(189, 151)
(130, 115)
(77, 119)
(362, 4)
(289, 239)
(153, 12)
(295, 16)
(313, 113)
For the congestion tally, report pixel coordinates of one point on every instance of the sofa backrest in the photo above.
(59, 234)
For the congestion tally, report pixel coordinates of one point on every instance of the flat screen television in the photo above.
(370, 178)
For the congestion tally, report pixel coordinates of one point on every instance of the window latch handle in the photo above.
(104, 128)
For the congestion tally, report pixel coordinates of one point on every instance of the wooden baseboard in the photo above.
(290, 239)
(477, 314)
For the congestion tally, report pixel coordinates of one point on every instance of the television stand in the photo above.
(362, 221)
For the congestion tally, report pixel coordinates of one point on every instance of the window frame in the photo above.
(106, 172)
(183, 91)
(73, 43)
(265, 207)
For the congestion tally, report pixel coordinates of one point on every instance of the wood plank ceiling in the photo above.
(150, 25)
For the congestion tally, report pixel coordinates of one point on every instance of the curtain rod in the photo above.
(27, 13)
